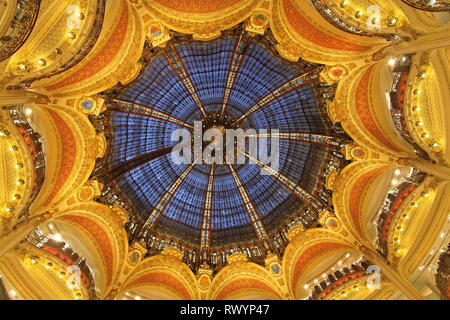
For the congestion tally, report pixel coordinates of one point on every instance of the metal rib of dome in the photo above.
(241, 77)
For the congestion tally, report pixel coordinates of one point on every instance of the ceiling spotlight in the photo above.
(358, 14)
(391, 62)
(344, 3)
(42, 62)
(397, 172)
(22, 67)
(71, 35)
(391, 21)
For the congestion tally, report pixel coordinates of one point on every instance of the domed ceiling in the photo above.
(236, 81)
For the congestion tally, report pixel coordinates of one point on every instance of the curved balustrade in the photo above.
(66, 254)
(20, 28)
(396, 98)
(332, 18)
(86, 47)
(391, 204)
(338, 278)
(35, 148)
(442, 276)
(429, 5)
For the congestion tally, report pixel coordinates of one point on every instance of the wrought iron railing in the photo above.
(66, 254)
(339, 278)
(20, 28)
(37, 155)
(442, 276)
(391, 204)
(429, 5)
(84, 50)
(397, 95)
(332, 18)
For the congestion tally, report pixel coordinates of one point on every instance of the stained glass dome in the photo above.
(237, 80)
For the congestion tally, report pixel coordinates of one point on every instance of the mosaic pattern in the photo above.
(245, 284)
(100, 236)
(102, 58)
(313, 34)
(164, 279)
(68, 154)
(363, 111)
(197, 6)
(357, 192)
(309, 254)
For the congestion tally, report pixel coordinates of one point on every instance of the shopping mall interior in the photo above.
(354, 94)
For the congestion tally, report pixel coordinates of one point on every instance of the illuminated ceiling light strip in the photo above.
(287, 87)
(308, 199)
(206, 223)
(236, 62)
(298, 136)
(177, 65)
(254, 217)
(154, 113)
(165, 199)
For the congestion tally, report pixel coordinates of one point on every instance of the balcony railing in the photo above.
(20, 28)
(66, 254)
(397, 96)
(442, 276)
(429, 5)
(391, 204)
(338, 278)
(86, 47)
(332, 18)
(37, 155)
